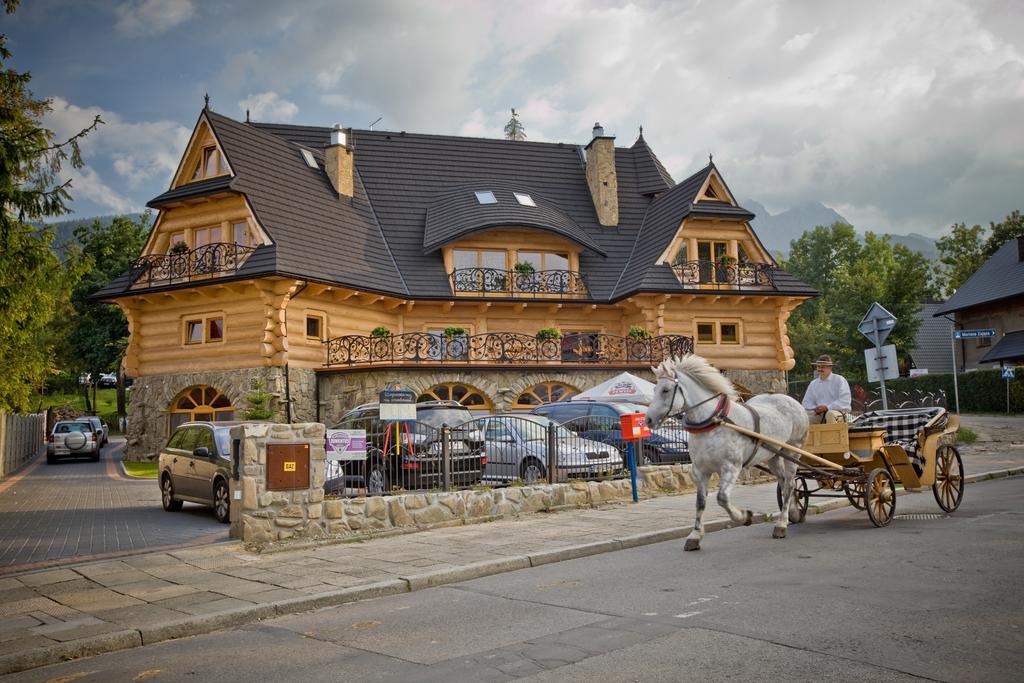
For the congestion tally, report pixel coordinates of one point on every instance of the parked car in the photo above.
(100, 427)
(517, 448)
(195, 466)
(599, 421)
(107, 380)
(72, 438)
(416, 462)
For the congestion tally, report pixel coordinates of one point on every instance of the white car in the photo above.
(100, 427)
(72, 438)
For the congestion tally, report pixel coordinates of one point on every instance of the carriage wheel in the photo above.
(880, 497)
(801, 498)
(949, 478)
(854, 490)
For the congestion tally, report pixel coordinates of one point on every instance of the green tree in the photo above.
(960, 253)
(33, 280)
(99, 332)
(851, 274)
(1011, 228)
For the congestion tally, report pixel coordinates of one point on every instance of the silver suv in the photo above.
(195, 466)
(72, 438)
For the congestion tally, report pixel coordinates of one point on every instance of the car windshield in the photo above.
(534, 428)
(435, 417)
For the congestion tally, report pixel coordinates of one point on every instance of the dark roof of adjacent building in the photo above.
(1009, 348)
(932, 348)
(1000, 277)
(410, 199)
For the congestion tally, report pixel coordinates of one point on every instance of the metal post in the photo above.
(552, 449)
(881, 370)
(1007, 391)
(446, 459)
(632, 468)
(952, 345)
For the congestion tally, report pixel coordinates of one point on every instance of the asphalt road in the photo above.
(78, 510)
(925, 599)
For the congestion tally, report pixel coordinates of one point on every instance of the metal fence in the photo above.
(496, 450)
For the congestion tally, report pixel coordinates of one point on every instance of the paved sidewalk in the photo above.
(59, 614)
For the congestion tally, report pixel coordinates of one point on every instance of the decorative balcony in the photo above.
(719, 275)
(541, 283)
(504, 348)
(209, 260)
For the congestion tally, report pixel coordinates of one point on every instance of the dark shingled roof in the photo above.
(932, 346)
(408, 198)
(1009, 348)
(457, 213)
(1000, 277)
(200, 188)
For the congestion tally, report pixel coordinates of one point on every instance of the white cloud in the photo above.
(268, 106)
(151, 17)
(87, 184)
(798, 43)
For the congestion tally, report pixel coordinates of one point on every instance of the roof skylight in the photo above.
(486, 197)
(308, 156)
(524, 199)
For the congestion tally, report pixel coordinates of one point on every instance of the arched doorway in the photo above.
(467, 395)
(200, 402)
(545, 392)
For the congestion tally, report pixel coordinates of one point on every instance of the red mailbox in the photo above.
(634, 426)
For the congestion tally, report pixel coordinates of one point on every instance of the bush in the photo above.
(637, 332)
(380, 332)
(549, 334)
(452, 332)
(259, 404)
(966, 435)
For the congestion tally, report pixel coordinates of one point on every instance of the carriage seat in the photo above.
(904, 427)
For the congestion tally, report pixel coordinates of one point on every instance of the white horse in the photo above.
(693, 387)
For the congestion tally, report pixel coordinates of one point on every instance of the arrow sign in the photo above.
(974, 334)
(885, 322)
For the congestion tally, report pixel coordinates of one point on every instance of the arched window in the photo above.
(201, 402)
(545, 392)
(471, 397)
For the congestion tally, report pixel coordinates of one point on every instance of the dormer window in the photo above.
(486, 197)
(212, 164)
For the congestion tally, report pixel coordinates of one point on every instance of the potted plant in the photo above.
(380, 332)
(179, 247)
(524, 268)
(637, 332)
(452, 332)
(549, 334)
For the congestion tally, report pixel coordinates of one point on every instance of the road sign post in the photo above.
(1008, 373)
(956, 387)
(964, 334)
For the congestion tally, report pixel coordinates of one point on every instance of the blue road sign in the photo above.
(1008, 373)
(974, 334)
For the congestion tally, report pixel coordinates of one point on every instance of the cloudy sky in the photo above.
(904, 116)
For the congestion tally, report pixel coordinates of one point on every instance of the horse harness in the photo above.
(719, 415)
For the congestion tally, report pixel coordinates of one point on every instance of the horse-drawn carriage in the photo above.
(863, 461)
(866, 459)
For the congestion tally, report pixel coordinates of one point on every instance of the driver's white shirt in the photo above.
(833, 393)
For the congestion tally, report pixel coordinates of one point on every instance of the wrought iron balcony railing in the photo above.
(199, 263)
(724, 275)
(504, 348)
(514, 283)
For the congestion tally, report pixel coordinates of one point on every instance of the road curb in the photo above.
(202, 624)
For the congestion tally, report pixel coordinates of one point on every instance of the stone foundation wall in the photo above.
(260, 515)
(759, 381)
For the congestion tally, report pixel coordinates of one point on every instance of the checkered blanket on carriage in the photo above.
(903, 426)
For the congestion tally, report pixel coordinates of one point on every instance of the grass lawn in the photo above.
(146, 470)
(106, 404)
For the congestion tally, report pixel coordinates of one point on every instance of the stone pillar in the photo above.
(261, 515)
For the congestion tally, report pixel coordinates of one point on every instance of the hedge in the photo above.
(981, 391)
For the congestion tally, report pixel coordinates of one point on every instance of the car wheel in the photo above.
(532, 472)
(221, 502)
(376, 480)
(649, 457)
(167, 495)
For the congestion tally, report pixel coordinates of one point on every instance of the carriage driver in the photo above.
(828, 397)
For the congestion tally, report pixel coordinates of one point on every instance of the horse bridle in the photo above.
(720, 412)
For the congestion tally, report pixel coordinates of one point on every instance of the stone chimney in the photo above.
(338, 161)
(601, 177)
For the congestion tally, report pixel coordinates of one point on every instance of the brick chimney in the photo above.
(338, 160)
(601, 177)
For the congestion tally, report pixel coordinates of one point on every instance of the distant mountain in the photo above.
(778, 230)
(65, 230)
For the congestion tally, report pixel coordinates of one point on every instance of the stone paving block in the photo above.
(119, 578)
(152, 589)
(274, 595)
(58, 626)
(139, 616)
(101, 568)
(45, 618)
(97, 599)
(19, 607)
(20, 622)
(180, 601)
(77, 585)
(7, 584)
(48, 577)
(82, 632)
(241, 590)
(150, 561)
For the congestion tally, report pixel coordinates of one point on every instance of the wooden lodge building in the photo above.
(329, 262)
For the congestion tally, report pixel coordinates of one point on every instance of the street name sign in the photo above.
(974, 334)
(877, 320)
